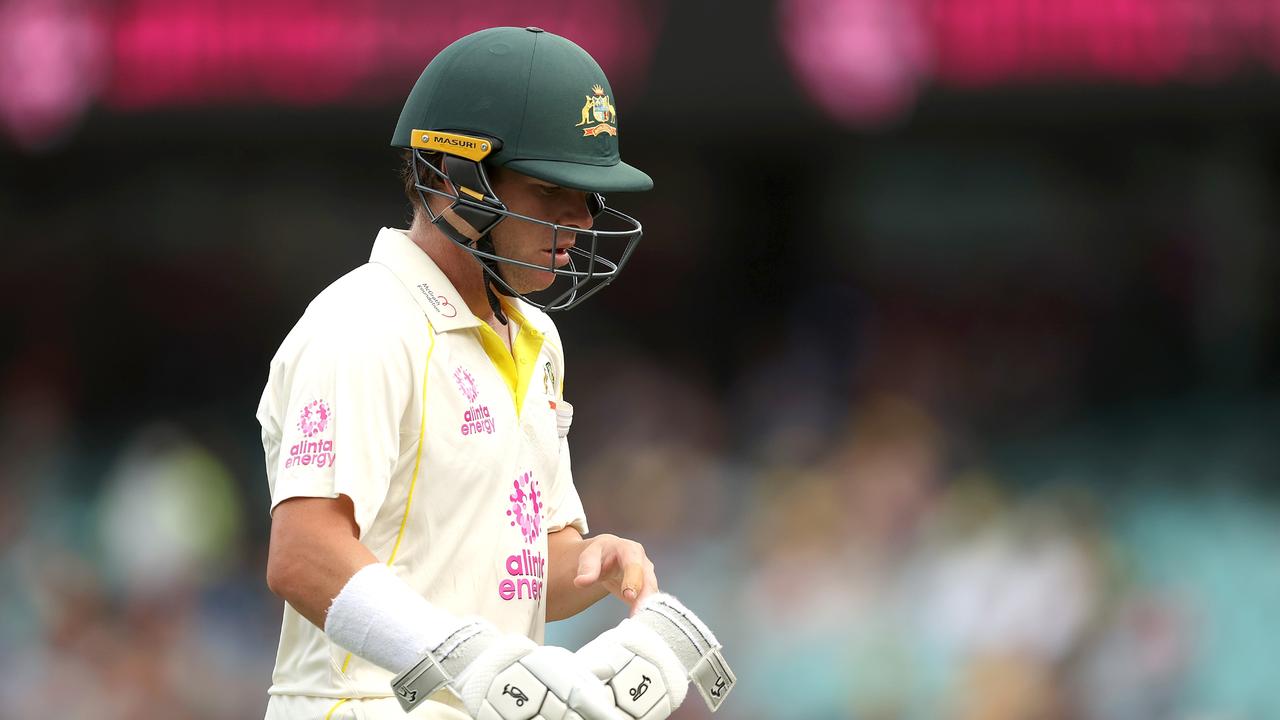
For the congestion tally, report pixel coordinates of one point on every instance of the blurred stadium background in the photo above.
(944, 380)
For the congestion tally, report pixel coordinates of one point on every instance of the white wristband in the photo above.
(380, 618)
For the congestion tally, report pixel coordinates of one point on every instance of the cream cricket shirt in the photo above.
(390, 391)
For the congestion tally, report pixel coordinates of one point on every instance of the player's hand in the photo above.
(516, 679)
(620, 565)
(648, 660)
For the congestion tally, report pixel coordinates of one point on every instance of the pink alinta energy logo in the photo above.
(466, 384)
(527, 568)
(314, 418)
(476, 419)
(526, 507)
(312, 451)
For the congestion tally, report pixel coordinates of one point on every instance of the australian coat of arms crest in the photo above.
(598, 110)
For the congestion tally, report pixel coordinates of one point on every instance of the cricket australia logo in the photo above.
(526, 507)
(600, 111)
(549, 380)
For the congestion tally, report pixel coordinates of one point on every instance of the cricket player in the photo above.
(425, 523)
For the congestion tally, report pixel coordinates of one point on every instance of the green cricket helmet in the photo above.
(535, 103)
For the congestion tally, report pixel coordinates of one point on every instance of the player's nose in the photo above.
(576, 212)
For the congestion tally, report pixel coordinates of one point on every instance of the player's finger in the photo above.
(588, 565)
(632, 581)
(650, 581)
(650, 585)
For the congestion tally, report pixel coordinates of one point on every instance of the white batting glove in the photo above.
(649, 659)
(498, 677)
(516, 679)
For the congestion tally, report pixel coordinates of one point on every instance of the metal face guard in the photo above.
(475, 210)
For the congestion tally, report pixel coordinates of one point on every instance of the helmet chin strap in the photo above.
(485, 245)
(470, 225)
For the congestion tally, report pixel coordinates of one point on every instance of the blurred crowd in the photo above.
(862, 556)
(880, 562)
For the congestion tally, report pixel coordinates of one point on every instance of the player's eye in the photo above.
(548, 190)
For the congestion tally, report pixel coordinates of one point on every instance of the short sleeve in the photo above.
(564, 507)
(338, 391)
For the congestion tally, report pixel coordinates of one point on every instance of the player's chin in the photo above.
(531, 280)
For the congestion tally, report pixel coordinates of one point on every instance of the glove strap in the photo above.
(700, 656)
(436, 669)
(713, 678)
(419, 682)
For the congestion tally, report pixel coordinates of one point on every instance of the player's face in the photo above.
(528, 242)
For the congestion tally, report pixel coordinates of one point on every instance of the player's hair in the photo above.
(408, 179)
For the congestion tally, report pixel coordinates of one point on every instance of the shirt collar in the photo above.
(430, 288)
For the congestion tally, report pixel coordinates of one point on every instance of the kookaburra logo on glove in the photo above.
(515, 692)
(640, 689)
(648, 660)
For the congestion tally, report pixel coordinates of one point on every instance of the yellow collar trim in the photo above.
(516, 367)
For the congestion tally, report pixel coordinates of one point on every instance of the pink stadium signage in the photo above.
(58, 57)
(866, 60)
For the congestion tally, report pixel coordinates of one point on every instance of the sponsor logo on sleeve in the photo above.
(315, 447)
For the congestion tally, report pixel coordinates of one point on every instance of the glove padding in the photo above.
(646, 678)
(648, 660)
(516, 679)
